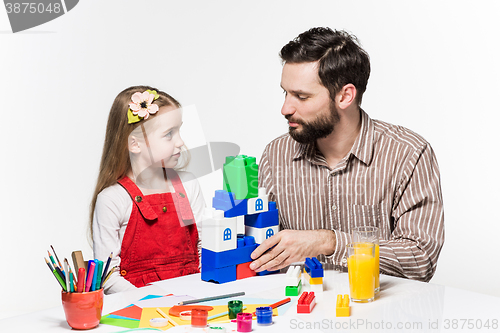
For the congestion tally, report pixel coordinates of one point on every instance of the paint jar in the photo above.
(83, 310)
(244, 322)
(234, 307)
(264, 315)
(199, 318)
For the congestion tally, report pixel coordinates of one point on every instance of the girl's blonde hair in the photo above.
(115, 160)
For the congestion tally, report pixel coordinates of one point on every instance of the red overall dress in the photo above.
(160, 241)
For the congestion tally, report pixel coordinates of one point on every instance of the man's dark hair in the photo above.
(341, 58)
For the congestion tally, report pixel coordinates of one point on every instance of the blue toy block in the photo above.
(240, 255)
(264, 219)
(313, 267)
(218, 275)
(267, 272)
(226, 201)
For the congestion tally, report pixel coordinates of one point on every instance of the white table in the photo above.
(403, 306)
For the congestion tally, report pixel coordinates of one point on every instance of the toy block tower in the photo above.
(240, 200)
(313, 274)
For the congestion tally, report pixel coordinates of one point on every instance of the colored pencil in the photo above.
(71, 285)
(52, 259)
(48, 264)
(61, 276)
(81, 280)
(211, 298)
(57, 259)
(105, 271)
(107, 276)
(90, 275)
(56, 275)
(94, 278)
(167, 317)
(66, 268)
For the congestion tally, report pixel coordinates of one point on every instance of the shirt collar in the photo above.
(362, 148)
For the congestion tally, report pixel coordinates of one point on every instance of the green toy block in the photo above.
(293, 290)
(240, 174)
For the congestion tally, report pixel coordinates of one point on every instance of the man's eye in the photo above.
(302, 98)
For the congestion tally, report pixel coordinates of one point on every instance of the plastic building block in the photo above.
(267, 272)
(316, 288)
(240, 224)
(245, 246)
(292, 277)
(315, 280)
(306, 302)
(258, 204)
(293, 290)
(240, 176)
(219, 232)
(342, 308)
(261, 234)
(226, 201)
(218, 275)
(243, 271)
(313, 267)
(264, 219)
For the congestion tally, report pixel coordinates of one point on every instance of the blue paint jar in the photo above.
(264, 315)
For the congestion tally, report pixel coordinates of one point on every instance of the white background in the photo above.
(435, 70)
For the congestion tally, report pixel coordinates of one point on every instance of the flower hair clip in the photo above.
(142, 106)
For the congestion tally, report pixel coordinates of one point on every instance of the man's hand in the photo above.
(291, 246)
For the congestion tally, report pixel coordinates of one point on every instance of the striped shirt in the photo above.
(389, 179)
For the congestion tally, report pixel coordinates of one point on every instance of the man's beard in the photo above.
(319, 128)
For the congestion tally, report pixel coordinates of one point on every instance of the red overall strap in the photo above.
(137, 197)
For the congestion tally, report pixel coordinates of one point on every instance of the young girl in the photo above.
(142, 210)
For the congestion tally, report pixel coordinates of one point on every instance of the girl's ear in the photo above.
(133, 145)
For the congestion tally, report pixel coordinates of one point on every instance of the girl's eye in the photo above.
(168, 135)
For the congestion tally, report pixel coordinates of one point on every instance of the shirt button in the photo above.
(334, 174)
(165, 209)
(344, 261)
(334, 207)
(123, 272)
(138, 198)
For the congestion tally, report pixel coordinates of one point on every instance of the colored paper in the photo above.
(119, 322)
(162, 302)
(133, 312)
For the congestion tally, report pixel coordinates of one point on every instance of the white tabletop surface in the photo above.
(402, 306)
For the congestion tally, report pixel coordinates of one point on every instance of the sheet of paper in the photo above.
(166, 301)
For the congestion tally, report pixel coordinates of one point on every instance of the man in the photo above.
(337, 168)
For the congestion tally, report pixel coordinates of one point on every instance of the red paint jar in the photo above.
(199, 318)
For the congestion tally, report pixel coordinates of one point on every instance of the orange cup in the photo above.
(83, 310)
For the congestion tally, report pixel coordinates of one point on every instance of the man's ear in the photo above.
(346, 96)
(133, 145)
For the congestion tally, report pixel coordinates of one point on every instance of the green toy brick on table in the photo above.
(240, 176)
(293, 290)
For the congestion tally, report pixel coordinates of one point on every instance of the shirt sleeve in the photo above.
(110, 213)
(418, 219)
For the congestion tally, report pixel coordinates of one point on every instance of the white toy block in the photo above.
(240, 224)
(218, 233)
(317, 288)
(259, 204)
(261, 234)
(292, 276)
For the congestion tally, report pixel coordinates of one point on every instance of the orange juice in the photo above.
(361, 267)
(365, 248)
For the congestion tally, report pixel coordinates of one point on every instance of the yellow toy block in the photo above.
(343, 309)
(318, 280)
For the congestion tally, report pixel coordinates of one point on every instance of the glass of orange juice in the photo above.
(361, 268)
(369, 234)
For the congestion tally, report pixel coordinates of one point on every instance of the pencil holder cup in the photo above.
(83, 310)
